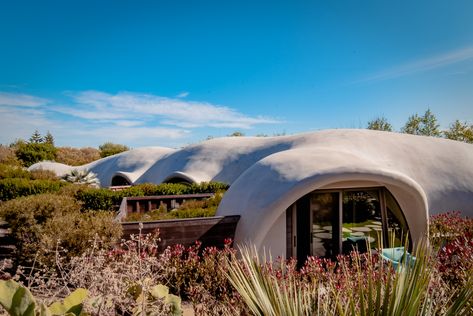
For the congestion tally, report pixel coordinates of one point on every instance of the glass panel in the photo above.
(397, 225)
(324, 212)
(361, 220)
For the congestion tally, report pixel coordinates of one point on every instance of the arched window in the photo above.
(119, 181)
(178, 180)
(326, 223)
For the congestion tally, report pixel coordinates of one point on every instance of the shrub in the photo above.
(13, 171)
(446, 227)
(117, 276)
(105, 199)
(452, 235)
(109, 149)
(7, 156)
(41, 223)
(16, 187)
(41, 174)
(98, 199)
(30, 153)
(77, 156)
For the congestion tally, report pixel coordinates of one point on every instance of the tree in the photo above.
(49, 139)
(36, 138)
(108, 149)
(422, 125)
(429, 125)
(412, 125)
(236, 134)
(460, 131)
(380, 124)
(30, 153)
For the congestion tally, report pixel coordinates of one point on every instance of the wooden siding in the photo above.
(211, 231)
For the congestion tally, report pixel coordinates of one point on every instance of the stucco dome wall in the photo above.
(264, 192)
(221, 159)
(426, 175)
(59, 169)
(130, 164)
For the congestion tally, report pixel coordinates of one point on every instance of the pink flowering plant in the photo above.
(231, 281)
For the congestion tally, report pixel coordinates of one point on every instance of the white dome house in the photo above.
(315, 193)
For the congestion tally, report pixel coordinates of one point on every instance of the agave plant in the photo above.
(82, 176)
(409, 290)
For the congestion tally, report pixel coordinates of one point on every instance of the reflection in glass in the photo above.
(324, 208)
(361, 220)
(396, 223)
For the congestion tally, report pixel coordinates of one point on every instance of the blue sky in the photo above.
(170, 73)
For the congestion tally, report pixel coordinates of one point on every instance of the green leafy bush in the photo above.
(98, 199)
(46, 222)
(13, 171)
(30, 153)
(109, 149)
(12, 188)
(105, 199)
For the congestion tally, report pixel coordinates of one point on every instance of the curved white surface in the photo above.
(267, 174)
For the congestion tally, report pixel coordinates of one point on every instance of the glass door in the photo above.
(324, 217)
(362, 220)
(332, 222)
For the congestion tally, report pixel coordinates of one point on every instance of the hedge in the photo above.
(100, 199)
(104, 199)
(11, 188)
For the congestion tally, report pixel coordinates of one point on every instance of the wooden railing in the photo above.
(144, 204)
(211, 231)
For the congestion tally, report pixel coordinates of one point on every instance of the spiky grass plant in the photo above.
(361, 285)
(82, 176)
(263, 292)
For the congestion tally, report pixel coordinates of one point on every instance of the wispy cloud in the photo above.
(96, 105)
(183, 94)
(19, 99)
(420, 65)
(20, 122)
(90, 118)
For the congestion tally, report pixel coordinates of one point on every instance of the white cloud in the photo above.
(183, 94)
(21, 123)
(96, 105)
(130, 134)
(128, 123)
(421, 65)
(93, 117)
(19, 99)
